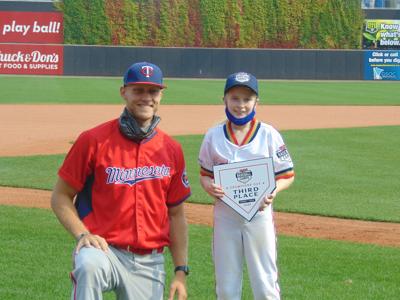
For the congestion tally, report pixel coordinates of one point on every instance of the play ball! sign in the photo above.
(31, 27)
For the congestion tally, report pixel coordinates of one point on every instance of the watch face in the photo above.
(185, 269)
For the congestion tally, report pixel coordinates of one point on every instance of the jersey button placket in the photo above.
(137, 192)
(139, 209)
(139, 200)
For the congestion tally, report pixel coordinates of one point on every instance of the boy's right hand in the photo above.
(211, 188)
(215, 191)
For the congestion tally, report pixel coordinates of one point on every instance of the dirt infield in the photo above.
(380, 233)
(49, 129)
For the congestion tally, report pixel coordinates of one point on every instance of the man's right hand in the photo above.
(91, 240)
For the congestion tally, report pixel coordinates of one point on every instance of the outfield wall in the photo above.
(53, 58)
(38, 6)
(217, 63)
(382, 14)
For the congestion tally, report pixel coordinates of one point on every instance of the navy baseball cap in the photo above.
(241, 79)
(144, 73)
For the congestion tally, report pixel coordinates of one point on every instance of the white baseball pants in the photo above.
(236, 240)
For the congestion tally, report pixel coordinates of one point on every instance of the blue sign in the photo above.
(382, 65)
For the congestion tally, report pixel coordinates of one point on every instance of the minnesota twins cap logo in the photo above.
(144, 73)
(242, 77)
(147, 71)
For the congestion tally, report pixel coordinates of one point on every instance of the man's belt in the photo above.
(139, 251)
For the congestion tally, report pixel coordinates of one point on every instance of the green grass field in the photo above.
(339, 172)
(36, 261)
(29, 89)
(349, 173)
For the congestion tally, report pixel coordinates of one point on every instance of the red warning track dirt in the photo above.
(50, 129)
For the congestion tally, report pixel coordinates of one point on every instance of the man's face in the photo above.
(142, 101)
(240, 101)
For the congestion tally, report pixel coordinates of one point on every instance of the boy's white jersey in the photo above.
(217, 148)
(236, 240)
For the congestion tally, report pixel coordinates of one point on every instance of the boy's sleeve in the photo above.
(283, 163)
(205, 160)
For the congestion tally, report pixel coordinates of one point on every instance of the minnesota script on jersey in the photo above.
(245, 184)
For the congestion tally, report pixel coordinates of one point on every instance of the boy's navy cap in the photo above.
(144, 73)
(241, 79)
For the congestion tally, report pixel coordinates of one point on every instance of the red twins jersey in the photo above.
(262, 140)
(125, 188)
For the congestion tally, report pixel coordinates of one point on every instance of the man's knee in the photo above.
(91, 265)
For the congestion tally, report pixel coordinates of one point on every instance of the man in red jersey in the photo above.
(119, 193)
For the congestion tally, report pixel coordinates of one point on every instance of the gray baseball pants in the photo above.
(129, 275)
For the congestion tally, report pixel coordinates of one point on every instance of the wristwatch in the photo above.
(185, 269)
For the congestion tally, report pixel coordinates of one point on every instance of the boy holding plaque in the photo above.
(239, 139)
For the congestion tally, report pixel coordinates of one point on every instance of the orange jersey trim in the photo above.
(230, 135)
(285, 175)
(204, 172)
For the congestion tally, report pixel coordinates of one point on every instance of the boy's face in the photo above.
(240, 101)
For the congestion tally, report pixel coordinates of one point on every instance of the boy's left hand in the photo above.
(268, 199)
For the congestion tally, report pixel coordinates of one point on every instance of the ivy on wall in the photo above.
(314, 24)
(85, 22)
